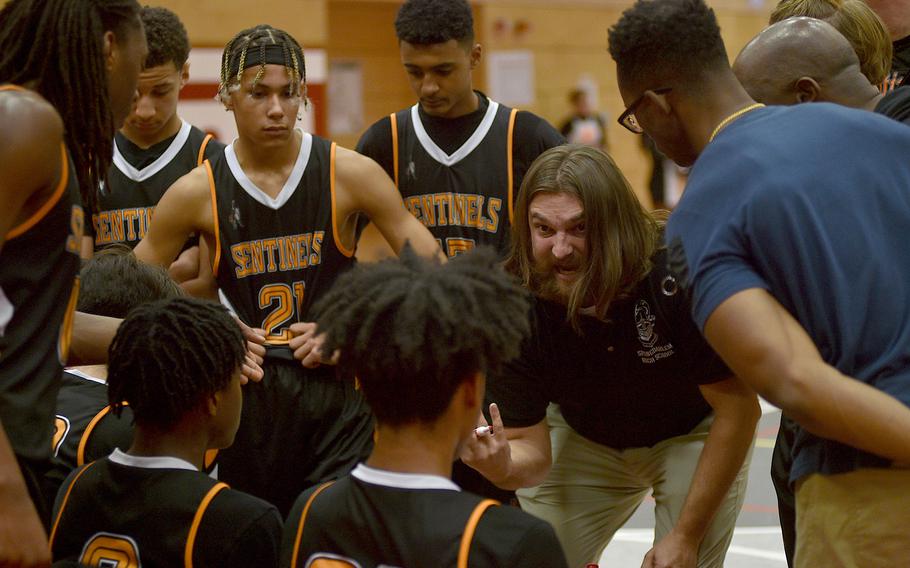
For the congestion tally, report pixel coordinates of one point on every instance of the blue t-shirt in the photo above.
(811, 203)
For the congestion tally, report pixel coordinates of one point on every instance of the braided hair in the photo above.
(412, 330)
(57, 45)
(169, 356)
(256, 40)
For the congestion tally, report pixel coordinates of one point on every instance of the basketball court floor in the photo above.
(756, 542)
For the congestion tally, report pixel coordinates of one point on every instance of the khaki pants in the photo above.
(592, 491)
(859, 519)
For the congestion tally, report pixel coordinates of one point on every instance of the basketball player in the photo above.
(79, 61)
(154, 148)
(177, 364)
(456, 156)
(278, 211)
(615, 394)
(112, 284)
(400, 507)
(790, 240)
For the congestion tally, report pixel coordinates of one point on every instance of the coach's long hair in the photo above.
(57, 48)
(620, 234)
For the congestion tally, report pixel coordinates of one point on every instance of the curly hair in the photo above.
(425, 22)
(259, 38)
(166, 37)
(57, 45)
(169, 356)
(677, 39)
(114, 282)
(413, 330)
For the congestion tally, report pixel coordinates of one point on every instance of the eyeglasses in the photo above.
(627, 118)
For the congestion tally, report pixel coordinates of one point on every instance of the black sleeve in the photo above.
(376, 143)
(259, 544)
(289, 537)
(532, 137)
(703, 364)
(519, 387)
(539, 548)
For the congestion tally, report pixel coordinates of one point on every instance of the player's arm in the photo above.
(31, 156)
(511, 458)
(765, 346)
(185, 208)
(362, 186)
(736, 412)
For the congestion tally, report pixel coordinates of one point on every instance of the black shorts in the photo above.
(298, 427)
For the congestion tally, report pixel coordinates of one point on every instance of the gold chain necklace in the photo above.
(732, 117)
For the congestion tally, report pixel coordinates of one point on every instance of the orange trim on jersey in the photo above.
(49, 204)
(469, 529)
(194, 528)
(66, 496)
(12, 88)
(216, 258)
(209, 458)
(509, 161)
(306, 509)
(205, 142)
(394, 120)
(83, 442)
(338, 244)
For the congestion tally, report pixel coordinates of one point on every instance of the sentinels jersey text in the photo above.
(139, 177)
(274, 257)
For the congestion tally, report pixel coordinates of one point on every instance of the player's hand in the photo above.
(255, 352)
(672, 551)
(306, 342)
(23, 542)
(487, 450)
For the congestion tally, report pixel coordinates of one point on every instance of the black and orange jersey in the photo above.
(139, 177)
(274, 257)
(129, 511)
(374, 518)
(85, 429)
(460, 176)
(39, 264)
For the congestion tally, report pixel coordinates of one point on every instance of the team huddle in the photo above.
(199, 366)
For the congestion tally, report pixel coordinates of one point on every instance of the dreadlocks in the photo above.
(413, 330)
(169, 355)
(56, 48)
(257, 45)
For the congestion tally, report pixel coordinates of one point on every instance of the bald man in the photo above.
(801, 60)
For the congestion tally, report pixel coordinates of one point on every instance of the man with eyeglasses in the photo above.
(792, 240)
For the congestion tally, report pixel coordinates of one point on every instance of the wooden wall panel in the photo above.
(211, 23)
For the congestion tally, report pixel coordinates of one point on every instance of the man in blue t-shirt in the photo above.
(791, 240)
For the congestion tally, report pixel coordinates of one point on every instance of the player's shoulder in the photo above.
(31, 126)
(517, 537)
(376, 137)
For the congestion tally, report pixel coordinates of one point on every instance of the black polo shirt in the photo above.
(627, 382)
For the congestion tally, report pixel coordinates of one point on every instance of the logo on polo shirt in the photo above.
(644, 323)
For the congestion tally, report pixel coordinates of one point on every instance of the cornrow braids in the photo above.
(413, 330)
(56, 48)
(169, 356)
(260, 38)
